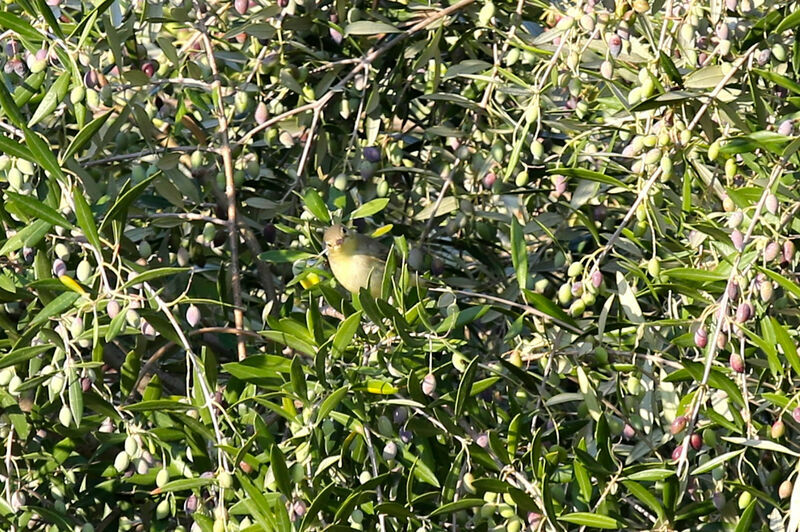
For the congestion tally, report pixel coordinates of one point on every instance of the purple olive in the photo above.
(696, 441)
(788, 251)
(771, 251)
(59, 268)
(614, 45)
(261, 113)
(193, 315)
(678, 424)
(736, 362)
(763, 57)
(701, 338)
(429, 384)
(241, 6)
(149, 69)
(744, 312)
(786, 128)
(676, 454)
(628, 432)
(737, 238)
(28, 254)
(733, 289)
(777, 430)
(372, 154)
(597, 278)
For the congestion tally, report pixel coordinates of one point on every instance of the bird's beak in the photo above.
(339, 242)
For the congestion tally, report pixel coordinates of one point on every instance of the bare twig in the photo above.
(645, 191)
(141, 154)
(362, 64)
(510, 303)
(230, 194)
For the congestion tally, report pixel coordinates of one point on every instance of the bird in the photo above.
(357, 261)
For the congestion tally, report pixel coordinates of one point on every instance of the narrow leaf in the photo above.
(51, 100)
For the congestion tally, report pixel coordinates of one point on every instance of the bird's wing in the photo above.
(372, 248)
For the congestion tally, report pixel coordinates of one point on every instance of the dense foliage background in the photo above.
(602, 196)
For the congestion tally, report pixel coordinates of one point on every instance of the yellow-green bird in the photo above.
(357, 261)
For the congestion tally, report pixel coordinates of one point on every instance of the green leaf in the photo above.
(704, 78)
(788, 22)
(548, 307)
(652, 475)
(19, 26)
(694, 274)
(592, 520)
(120, 206)
(519, 255)
(259, 367)
(9, 106)
(75, 393)
(54, 96)
(330, 403)
(47, 13)
(43, 154)
(55, 307)
(291, 341)
(465, 387)
(29, 235)
(23, 354)
(280, 471)
(185, 484)
(368, 27)
(344, 334)
(380, 387)
(764, 445)
(716, 462)
(787, 345)
(150, 275)
(159, 405)
(85, 135)
(316, 206)
(787, 284)
(15, 149)
(369, 208)
(590, 175)
(282, 256)
(455, 506)
(644, 495)
(778, 79)
(37, 209)
(746, 518)
(298, 379)
(83, 214)
(669, 68)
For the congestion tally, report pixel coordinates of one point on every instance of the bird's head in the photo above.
(334, 236)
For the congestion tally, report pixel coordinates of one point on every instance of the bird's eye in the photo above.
(344, 230)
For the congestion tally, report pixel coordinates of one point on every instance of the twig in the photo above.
(657, 173)
(374, 462)
(721, 315)
(189, 216)
(164, 349)
(510, 303)
(199, 370)
(362, 64)
(448, 182)
(230, 194)
(140, 154)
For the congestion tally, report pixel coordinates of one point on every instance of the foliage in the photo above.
(600, 197)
